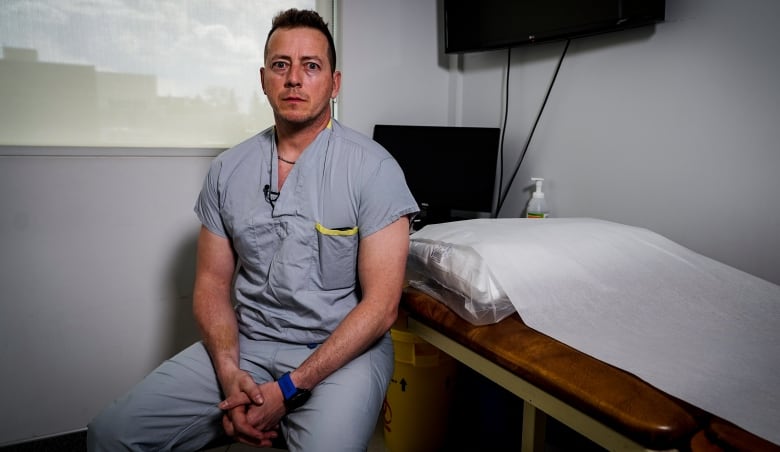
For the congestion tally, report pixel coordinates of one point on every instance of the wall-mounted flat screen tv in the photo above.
(494, 24)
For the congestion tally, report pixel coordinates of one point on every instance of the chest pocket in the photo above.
(337, 249)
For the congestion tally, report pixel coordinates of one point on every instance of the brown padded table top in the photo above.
(614, 397)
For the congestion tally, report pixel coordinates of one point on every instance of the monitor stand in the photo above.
(429, 215)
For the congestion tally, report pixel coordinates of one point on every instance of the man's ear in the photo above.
(336, 84)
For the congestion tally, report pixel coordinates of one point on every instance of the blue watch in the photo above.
(293, 397)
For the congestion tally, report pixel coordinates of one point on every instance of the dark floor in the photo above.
(73, 442)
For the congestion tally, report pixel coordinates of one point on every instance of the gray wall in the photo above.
(96, 276)
(672, 128)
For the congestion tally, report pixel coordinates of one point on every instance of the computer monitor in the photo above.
(451, 171)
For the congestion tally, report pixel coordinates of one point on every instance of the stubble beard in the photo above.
(295, 122)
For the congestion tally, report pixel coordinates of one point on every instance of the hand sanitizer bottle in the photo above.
(537, 207)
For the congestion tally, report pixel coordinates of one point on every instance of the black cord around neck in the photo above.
(291, 162)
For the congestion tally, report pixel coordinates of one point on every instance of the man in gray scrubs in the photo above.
(301, 259)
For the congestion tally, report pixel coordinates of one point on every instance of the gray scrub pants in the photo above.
(175, 407)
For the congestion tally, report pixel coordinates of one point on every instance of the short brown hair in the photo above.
(303, 18)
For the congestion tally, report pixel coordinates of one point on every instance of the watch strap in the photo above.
(293, 397)
(287, 386)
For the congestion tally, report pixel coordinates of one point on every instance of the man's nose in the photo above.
(294, 76)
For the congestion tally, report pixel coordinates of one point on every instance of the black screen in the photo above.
(451, 171)
(492, 24)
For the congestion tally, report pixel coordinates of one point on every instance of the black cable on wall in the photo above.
(501, 197)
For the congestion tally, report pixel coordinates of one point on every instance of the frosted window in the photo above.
(162, 73)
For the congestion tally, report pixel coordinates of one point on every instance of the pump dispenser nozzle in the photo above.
(537, 207)
(538, 193)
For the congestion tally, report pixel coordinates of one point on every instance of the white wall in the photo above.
(389, 58)
(672, 127)
(675, 131)
(96, 276)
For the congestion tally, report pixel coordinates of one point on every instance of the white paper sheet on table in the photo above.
(693, 327)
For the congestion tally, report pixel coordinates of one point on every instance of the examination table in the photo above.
(605, 404)
(613, 329)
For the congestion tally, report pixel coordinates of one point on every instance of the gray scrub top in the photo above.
(297, 275)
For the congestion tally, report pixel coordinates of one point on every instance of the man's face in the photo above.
(297, 77)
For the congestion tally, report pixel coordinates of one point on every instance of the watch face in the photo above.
(299, 398)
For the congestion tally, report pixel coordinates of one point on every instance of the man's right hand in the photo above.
(241, 393)
(236, 426)
(240, 389)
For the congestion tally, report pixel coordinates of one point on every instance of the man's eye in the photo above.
(279, 65)
(312, 66)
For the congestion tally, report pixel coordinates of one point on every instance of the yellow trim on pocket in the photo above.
(342, 231)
